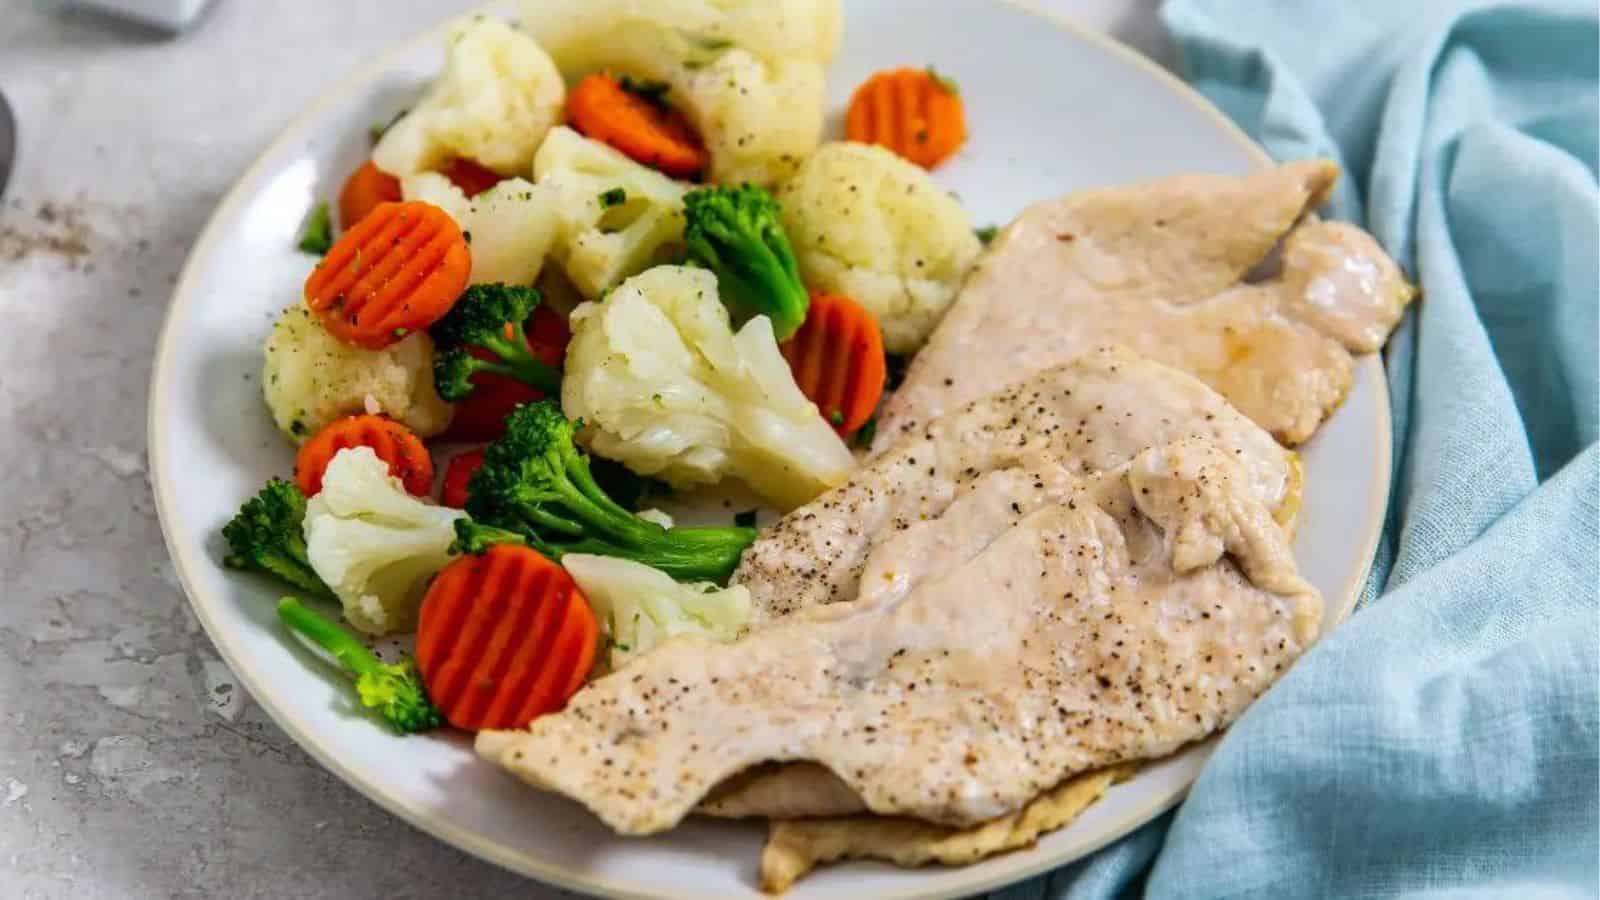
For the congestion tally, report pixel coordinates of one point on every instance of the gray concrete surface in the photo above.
(131, 763)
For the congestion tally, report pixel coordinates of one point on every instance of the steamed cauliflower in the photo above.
(512, 225)
(575, 31)
(311, 378)
(758, 119)
(748, 75)
(374, 544)
(498, 96)
(668, 389)
(603, 235)
(867, 224)
(640, 607)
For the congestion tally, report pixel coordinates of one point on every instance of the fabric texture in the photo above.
(1443, 741)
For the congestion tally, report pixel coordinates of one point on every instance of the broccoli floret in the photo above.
(734, 232)
(536, 482)
(266, 536)
(490, 317)
(395, 690)
(474, 538)
(317, 235)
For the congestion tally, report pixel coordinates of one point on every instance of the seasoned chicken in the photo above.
(1093, 621)
(1093, 414)
(796, 847)
(789, 791)
(1182, 271)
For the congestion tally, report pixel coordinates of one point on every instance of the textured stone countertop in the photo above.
(131, 764)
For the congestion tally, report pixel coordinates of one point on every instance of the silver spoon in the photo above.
(8, 142)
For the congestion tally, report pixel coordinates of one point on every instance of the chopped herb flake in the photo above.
(317, 235)
(614, 197)
(945, 82)
(986, 233)
(377, 130)
(869, 430)
(836, 418)
(647, 89)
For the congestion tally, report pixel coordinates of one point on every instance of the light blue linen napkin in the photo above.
(1446, 740)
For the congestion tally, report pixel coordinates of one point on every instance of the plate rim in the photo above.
(163, 488)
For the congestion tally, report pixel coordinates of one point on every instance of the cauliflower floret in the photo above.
(668, 389)
(311, 378)
(748, 75)
(867, 224)
(497, 97)
(511, 226)
(375, 544)
(602, 241)
(758, 119)
(577, 32)
(640, 607)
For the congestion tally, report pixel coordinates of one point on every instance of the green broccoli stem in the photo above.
(584, 498)
(710, 561)
(394, 690)
(491, 318)
(517, 361)
(288, 568)
(475, 538)
(320, 630)
(536, 482)
(576, 465)
(684, 553)
(757, 268)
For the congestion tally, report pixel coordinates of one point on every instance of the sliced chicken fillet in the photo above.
(1090, 415)
(1165, 268)
(1103, 623)
(791, 791)
(796, 847)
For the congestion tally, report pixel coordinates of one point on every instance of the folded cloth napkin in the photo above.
(1444, 741)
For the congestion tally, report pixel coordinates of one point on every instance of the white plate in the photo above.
(1051, 109)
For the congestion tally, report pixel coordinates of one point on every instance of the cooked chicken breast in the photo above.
(784, 791)
(1093, 414)
(796, 847)
(1165, 268)
(1110, 618)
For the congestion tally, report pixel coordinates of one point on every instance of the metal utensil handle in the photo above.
(8, 142)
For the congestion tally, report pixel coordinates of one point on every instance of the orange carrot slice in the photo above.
(917, 113)
(457, 475)
(504, 638)
(397, 271)
(837, 360)
(394, 443)
(366, 187)
(601, 109)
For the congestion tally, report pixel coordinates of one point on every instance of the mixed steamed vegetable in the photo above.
(607, 251)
